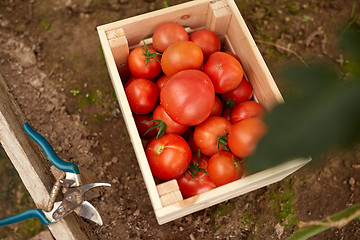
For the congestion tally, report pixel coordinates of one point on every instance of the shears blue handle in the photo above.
(49, 151)
(31, 213)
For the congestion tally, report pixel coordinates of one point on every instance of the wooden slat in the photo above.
(228, 191)
(32, 168)
(129, 121)
(253, 63)
(192, 14)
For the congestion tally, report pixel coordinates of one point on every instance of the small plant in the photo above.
(165, 4)
(74, 92)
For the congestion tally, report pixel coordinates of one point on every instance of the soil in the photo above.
(50, 50)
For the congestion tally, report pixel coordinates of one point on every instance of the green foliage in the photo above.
(303, 234)
(74, 92)
(325, 112)
(45, 23)
(220, 210)
(282, 204)
(94, 97)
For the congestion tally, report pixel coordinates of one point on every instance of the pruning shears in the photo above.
(73, 200)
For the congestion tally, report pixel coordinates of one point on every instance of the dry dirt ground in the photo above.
(49, 48)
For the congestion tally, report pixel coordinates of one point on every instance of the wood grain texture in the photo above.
(32, 167)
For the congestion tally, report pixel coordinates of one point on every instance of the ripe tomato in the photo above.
(188, 97)
(244, 136)
(234, 55)
(144, 63)
(218, 107)
(247, 109)
(168, 156)
(167, 34)
(143, 123)
(223, 168)
(142, 95)
(161, 81)
(207, 135)
(207, 40)
(242, 93)
(166, 124)
(224, 71)
(180, 56)
(194, 181)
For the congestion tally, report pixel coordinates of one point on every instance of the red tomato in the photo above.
(142, 95)
(188, 97)
(234, 55)
(192, 144)
(161, 81)
(225, 72)
(223, 168)
(168, 156)
(207, 134)
(170, 125)
(180, 56)
(143, 123)
(242, 93)
(247, 109)
(194, 181)
(244, 136)
(167, 34)
(218, 107)
(207, 40)
(143, 63)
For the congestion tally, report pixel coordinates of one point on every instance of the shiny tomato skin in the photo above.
(198, 184)
(188, 97)
(167, 34)
(247, 109)
(234, 55)
(225, 72)
(171, 126)
(143, 123)
(137, 62)
(207, 40)
(218, 107)
(181, 56)
(168, 157)
(161, 81)
(241, 93)
(244, 136)
(223, 168)
(207, 133)
(142, 95)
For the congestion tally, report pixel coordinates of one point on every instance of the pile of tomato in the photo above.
(191, 102)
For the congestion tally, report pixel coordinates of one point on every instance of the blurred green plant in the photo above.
(324, 113)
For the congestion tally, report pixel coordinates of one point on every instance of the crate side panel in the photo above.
(253, 63)
(192, 14)
(129, 121)
(229, 191)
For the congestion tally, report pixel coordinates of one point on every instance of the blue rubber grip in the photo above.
(49, 151)
(31, 213)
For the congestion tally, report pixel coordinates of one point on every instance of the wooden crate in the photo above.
(224, 18)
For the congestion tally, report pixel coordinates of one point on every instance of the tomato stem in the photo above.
(149, 55)
(161, 126)
(159, 149)
(222, 142)
(195, 168)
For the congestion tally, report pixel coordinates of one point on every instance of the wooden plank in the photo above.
(253, 63)
(192, 14)
(129, 120)
(32, 167)
(228, 191)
